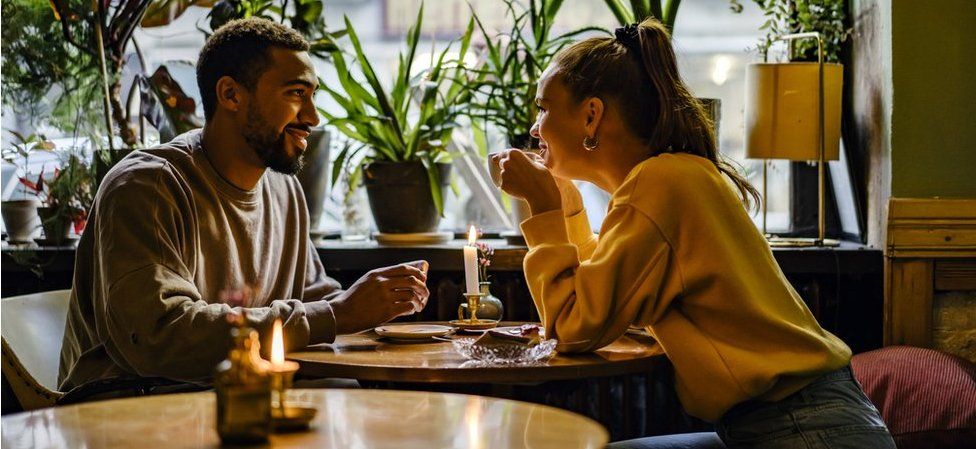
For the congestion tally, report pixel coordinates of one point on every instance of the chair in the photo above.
(32, 331)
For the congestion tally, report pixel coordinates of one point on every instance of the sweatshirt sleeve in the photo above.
(580, 234)
(149, 314)
(588, 303)
(320, 287)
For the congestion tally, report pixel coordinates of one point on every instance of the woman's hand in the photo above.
(524, 176)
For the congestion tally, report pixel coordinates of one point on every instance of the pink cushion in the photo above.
(927, 398)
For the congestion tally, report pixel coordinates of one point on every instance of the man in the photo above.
(176, 227)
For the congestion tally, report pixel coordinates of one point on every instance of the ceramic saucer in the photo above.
(412, 331)
(417, 238)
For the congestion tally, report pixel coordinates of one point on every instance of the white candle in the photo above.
(471, 263)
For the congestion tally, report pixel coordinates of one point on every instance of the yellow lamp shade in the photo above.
(782, 108)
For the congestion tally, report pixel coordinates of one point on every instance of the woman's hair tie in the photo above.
(629, 37)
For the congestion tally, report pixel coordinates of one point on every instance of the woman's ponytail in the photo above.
(683, 126)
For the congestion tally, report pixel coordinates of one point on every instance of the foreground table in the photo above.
(346, 419)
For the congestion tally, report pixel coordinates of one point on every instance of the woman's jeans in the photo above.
(831, 412)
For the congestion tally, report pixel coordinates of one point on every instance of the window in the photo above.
(712, 42)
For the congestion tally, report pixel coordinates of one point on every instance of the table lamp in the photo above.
(793, 112)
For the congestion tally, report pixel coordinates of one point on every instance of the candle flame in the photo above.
(277, 345)
(472, 235)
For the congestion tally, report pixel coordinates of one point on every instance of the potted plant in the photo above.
(66, 198)
(406, 130)
(20, 214)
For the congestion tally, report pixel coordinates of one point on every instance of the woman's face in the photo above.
(559, 126)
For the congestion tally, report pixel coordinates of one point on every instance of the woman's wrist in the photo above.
(542, 206)
(572, 201)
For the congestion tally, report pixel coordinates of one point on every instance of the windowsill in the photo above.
(336, 255)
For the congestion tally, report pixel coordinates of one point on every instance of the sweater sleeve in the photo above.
(587, 304)
(149, 314)
(580, 234)
(320, 287)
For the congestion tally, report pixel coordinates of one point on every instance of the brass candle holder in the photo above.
(285, 417)
(281, 379)
(469, 320)
(473, 300)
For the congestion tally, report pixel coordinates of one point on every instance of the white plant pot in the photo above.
(20, 219)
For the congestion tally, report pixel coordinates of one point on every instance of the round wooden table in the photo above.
(346, 419)
(366, 356)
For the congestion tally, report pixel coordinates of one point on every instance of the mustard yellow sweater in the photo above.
(678, 255)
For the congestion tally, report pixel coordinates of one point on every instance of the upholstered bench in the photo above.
(926, 397)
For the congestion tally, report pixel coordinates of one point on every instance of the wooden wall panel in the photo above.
(930, 245)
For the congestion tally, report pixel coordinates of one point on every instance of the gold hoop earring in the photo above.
(590, 143)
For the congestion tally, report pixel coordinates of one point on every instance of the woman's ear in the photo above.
(229, 94)
(594, 109)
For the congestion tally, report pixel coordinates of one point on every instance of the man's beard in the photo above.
(270, 148)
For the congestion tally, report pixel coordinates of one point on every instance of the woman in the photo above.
(677, 254)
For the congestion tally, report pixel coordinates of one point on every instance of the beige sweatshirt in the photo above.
(678, 255)
(167, 234)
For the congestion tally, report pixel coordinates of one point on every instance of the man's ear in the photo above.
(230, 94)
(594, 110)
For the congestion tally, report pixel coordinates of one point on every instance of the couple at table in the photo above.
(677, 253)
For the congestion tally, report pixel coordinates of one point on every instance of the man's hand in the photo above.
(380, 296)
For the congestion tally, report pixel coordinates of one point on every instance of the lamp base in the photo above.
(799, 242)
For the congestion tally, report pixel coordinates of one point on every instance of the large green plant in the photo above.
(513, 61)
(43, 78)
(102, 31)
(637, 10)
(414, 120)
(799, 16)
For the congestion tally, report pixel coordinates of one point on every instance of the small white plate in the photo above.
(413, 331)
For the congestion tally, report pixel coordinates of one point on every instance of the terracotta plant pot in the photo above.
(400, 197)
(21, 220)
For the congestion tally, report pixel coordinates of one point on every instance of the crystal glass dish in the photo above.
(505, 354)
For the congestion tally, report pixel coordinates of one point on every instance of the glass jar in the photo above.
(243, 387)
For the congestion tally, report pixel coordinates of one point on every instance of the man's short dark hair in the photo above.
(239, 50)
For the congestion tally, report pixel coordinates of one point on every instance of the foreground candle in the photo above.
(471, 263)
